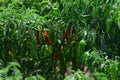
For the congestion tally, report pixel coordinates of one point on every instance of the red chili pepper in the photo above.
(73, 30)
(37, 37)
(66, 34)
(56, 54)
(47, 39)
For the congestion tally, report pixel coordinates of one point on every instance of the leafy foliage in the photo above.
(52, 37)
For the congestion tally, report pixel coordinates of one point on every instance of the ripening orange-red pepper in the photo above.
(37, 37)
(47, 39)
(44, 32)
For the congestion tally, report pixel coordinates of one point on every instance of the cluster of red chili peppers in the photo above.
(65, 36)
(45, 35)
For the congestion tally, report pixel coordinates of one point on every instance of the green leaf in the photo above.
(81, 46)
(108, 24)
